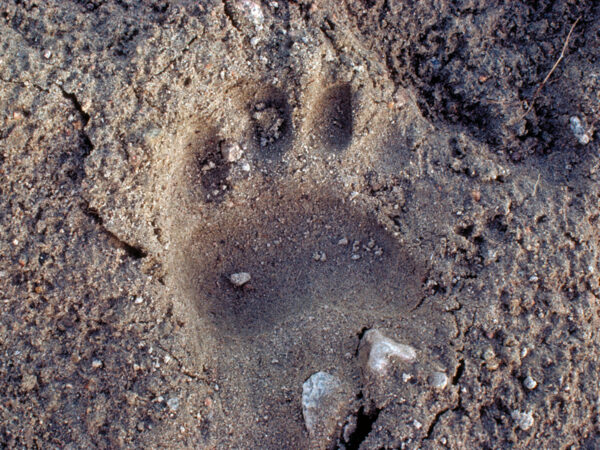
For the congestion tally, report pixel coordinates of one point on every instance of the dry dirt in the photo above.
(393, 169)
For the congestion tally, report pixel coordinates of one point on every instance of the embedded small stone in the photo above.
(231, 152)
(173, 404)
(239, 279)
(530, 383)
(579, 130)
(96, 364)
(323, 406)
(523, 420)
(379, 351)
(320, 256)
(438, 380)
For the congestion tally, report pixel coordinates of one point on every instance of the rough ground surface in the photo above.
(395, 175)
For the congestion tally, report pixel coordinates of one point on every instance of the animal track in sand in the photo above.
(321, 266)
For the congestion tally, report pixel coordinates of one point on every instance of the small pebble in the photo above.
(380, 351)
(173, 404)
(320, 256)
(239, 279)
(96, 364)
(530, 383)
(523, 420)
(323, 406)
(231, 152)
(343, 241)
(438, 380)
(47, 54)
(488, 354)
(579, 130)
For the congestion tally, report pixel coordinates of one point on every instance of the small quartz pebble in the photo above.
(324, 406)
(438, 380)
(231, 152)
(173, 404)
(530, 383)
(579, 130)
(239, 279)
(380, 350)
(96, 364)
(523, 420)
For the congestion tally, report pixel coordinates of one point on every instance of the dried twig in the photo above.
(560, 58)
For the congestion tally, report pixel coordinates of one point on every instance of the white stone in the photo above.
(173, 404)
(231, 152)
(240, 278)
(524, 420)
(323, 405)
(530, 383)
(96, 364)
(579, 130)
(438, 380)
(381, 350)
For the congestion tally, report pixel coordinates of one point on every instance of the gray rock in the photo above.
(324, 405)
(240, 278)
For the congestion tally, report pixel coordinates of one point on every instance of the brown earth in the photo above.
(402, 169)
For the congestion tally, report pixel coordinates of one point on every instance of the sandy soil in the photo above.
(373, 164)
